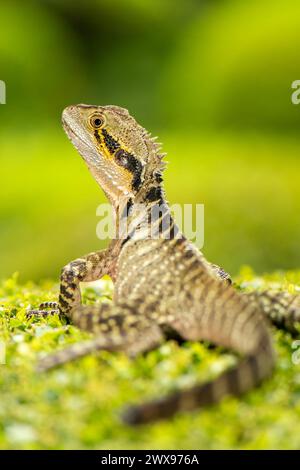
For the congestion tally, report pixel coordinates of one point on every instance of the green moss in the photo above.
(77, 406)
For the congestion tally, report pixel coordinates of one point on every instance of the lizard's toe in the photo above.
(41, 313)
(51, 305)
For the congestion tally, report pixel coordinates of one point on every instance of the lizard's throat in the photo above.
(141, 221)
(116, 192)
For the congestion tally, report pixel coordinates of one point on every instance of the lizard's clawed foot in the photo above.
(223, 275)
(45, 309)
(51, 305)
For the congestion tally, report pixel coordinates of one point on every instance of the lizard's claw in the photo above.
(51, 305)
(41, 313)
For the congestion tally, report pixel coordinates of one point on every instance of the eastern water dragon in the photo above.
(163, 285)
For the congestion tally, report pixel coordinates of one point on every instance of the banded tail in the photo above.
(232, 321)
(247, 374)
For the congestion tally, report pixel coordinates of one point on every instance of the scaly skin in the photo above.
(164, 287)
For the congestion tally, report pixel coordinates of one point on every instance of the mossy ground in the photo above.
(77, 406)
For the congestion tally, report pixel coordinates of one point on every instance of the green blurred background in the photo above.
(212, 78)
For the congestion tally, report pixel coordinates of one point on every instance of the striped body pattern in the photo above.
(164, 287)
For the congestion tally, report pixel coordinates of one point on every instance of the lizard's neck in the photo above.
(145, 216)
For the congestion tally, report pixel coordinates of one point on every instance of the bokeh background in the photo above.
(211, 78)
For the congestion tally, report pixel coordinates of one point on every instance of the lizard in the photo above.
(163, 285)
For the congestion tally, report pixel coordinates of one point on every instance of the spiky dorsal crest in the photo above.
(156, 164)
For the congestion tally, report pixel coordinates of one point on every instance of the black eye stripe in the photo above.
(122, 157)
(111, 143)
(97, 136)
(132, 164)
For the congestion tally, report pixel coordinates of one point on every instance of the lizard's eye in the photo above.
(97, 121)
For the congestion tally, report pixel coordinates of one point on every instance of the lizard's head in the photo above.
(120, 154)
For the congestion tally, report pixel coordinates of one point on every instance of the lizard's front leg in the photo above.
(88, 268)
